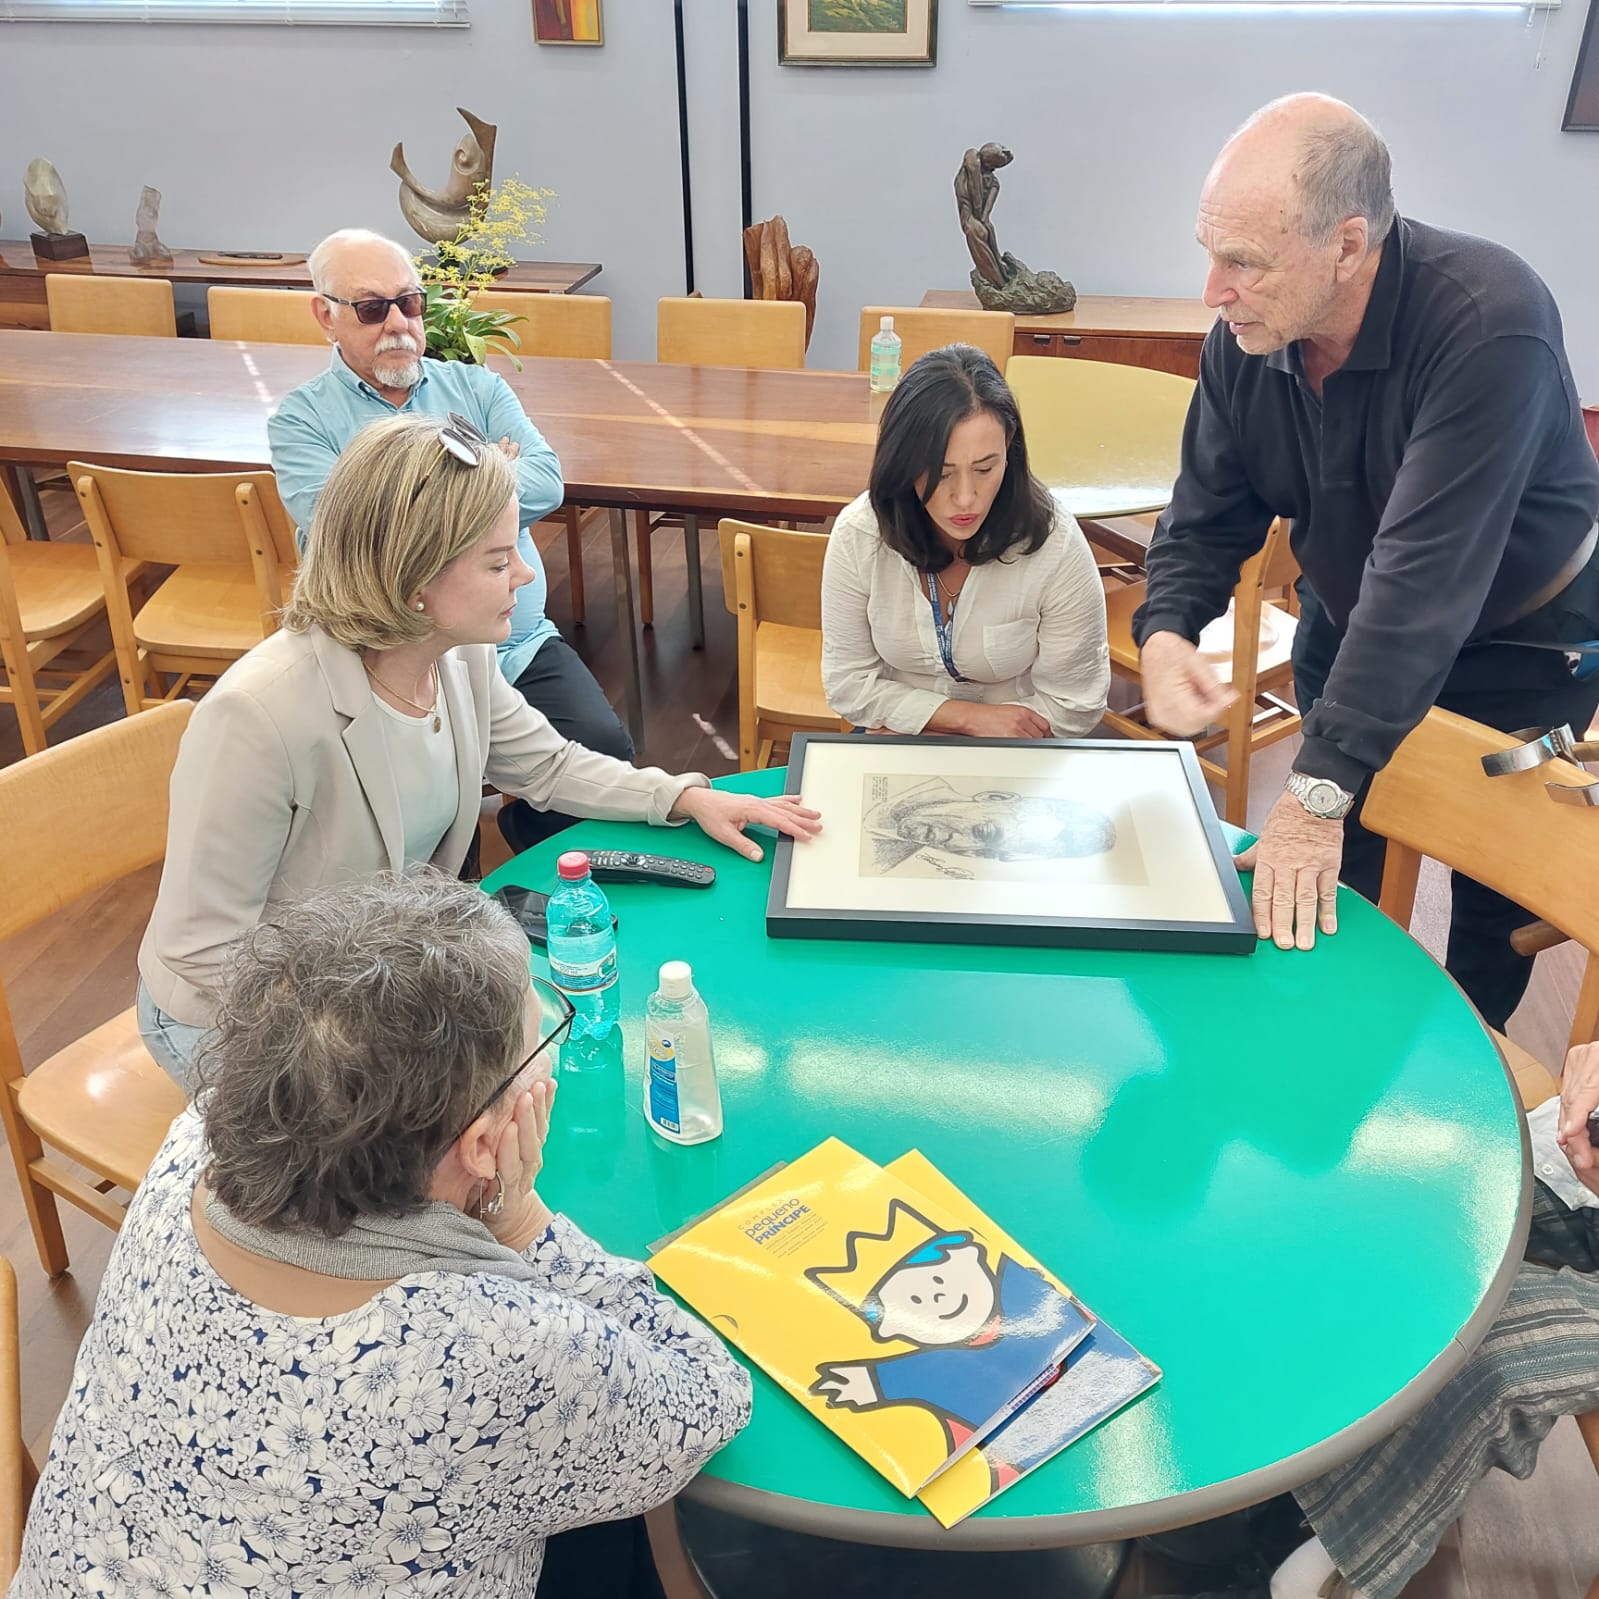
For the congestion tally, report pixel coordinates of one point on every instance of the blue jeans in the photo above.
(172, 1043)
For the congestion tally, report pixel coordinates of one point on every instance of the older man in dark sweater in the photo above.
(1402, 394)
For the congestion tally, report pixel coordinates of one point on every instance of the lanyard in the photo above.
(943, 629)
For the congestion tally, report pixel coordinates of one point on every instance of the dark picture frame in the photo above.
(832, 892)
(800, 44)
(1582, 103)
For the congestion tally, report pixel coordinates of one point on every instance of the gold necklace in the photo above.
(431, 709)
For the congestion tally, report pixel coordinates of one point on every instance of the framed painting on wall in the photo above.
(1099, 843)
(877, 33)
(1582, 104)
(567, 22)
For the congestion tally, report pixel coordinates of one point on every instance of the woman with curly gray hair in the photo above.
(341, 1345)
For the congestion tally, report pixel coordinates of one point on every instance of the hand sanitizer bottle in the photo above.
(885, 358)
(681, 1099)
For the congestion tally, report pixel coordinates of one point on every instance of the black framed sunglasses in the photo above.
(372, 311)
(558, 1013)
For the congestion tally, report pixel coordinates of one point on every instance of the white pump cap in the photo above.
(677, 980)
(886, 325)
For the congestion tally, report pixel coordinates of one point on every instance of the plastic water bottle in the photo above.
(885, 358)
(681, 1098)
(582, 948)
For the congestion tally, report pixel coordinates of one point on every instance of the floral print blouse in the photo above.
(425, 1443)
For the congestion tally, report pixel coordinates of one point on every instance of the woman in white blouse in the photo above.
(358, 738)
(342, 1347)
(957, 596)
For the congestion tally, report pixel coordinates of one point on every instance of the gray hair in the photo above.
(1342, 168)
(358, 1031)
(320, 261)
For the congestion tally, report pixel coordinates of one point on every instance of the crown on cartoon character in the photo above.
(910, 1239)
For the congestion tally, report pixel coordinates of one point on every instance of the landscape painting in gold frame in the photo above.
(858, 33)
(567, 22)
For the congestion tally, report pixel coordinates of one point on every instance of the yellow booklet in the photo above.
(904, 1326)
(1100, 1375)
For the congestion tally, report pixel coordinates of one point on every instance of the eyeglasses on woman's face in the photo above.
(556, 1013)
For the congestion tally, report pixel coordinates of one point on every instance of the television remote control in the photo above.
(628, 866)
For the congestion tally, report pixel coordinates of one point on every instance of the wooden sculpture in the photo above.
(438, 214)
(779, 270)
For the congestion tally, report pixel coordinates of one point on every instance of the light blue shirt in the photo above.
(316, 421)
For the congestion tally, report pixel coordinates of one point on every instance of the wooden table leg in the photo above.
(18, 484)
(633, 690)
(696, 589)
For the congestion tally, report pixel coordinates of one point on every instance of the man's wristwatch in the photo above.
(1320, 796)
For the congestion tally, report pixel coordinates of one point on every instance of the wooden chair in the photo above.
(18, 1478)
(924, 328)
(263, 316)
(80, 302)
(777, 590)
(232, 543)
(693, 332)
(576, 327)
(1433, 798)
(52, 606)
(80, 817)
(1257, 667)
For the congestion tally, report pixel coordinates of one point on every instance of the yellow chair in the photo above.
(18, 1478)
(81, 302)
(1433, 798)
(777, 592)
(233, 545)
(924, 328)
(52, 605)
(575, 327)
(1258, 646)
(1101, 432)
(80, 817)
(263, 316)
(769, 334)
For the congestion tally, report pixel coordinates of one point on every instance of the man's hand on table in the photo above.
(1182, 696)
(1295, 861)
(1579, 1098)
(724, 817)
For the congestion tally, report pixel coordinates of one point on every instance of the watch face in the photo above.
(1323, 796)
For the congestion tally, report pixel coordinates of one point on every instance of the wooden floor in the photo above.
(1538, 1540)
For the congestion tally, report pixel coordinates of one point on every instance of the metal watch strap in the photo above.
(1299, 784)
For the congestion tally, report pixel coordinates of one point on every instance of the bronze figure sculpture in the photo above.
(1001, 281)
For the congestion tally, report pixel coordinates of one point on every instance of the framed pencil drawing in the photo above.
(1582, 104)
(876, 33)
(1097, 843)
(567, 22)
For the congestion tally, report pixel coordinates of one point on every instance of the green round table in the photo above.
(1297, 1182)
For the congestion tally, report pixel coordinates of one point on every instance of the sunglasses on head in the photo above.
(460, 439)
(377, 310)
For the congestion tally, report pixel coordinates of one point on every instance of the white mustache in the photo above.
(396, 341)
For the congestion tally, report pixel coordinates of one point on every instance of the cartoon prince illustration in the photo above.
(980, 1332)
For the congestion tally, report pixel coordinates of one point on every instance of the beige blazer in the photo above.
(283, 783)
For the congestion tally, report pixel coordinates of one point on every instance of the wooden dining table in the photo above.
(703, 440)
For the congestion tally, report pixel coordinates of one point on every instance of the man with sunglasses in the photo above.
(369, 303)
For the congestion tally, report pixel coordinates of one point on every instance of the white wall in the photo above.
(269, 137)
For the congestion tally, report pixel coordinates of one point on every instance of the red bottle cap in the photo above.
(573, 866)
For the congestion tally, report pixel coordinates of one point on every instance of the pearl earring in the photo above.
(420, 606)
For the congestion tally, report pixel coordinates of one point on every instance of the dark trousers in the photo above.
(1505, 687)
(557, 682)
(608, 1560)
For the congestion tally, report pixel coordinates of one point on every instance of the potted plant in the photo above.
(458, 268)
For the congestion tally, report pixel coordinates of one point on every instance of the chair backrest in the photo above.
(577, 326)
(760, 333)
(85, 813)
(924, 328)
(782, 571)
(81, 302)
(263, 316)
(179, 517)
(17, 1475)
(1079, 414)
(1433, 798)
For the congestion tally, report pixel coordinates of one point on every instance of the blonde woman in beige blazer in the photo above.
(356, 740)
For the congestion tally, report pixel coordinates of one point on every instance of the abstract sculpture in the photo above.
(438, 214)
(780, 271)
(46, 198)
(147, 249)
(1002, 282)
